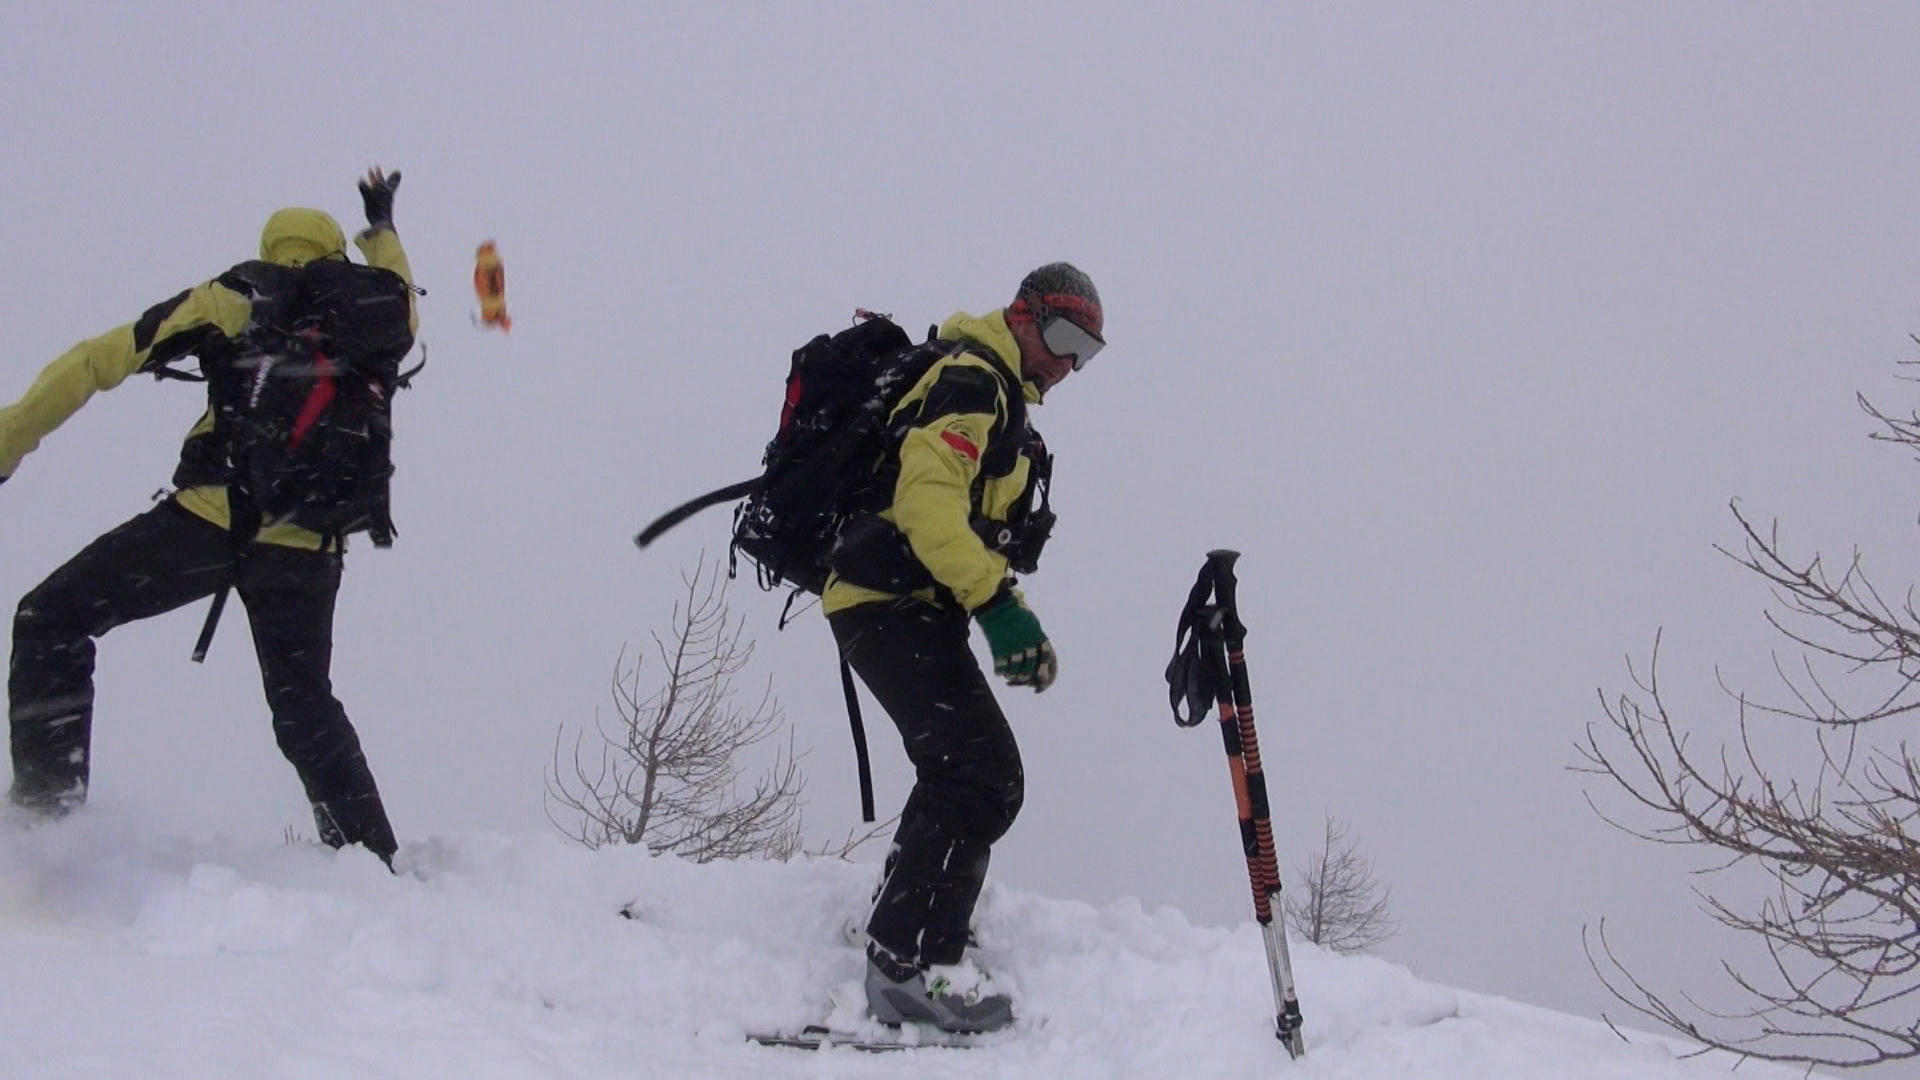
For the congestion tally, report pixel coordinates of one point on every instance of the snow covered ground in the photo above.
(128, 954)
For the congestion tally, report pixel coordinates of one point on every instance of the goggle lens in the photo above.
(1064, 337)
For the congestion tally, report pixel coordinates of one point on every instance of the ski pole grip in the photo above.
(1220, 565)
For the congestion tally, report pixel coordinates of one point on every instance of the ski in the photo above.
(820, 1037)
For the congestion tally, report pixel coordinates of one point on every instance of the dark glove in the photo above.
(376, 191)
(1022, 655)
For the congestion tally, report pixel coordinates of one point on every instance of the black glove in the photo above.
(376, 191)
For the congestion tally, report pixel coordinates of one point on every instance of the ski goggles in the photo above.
(1064, 337)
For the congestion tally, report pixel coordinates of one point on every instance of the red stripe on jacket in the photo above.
(961, 443)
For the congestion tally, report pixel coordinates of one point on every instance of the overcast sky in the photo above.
(1464, 323)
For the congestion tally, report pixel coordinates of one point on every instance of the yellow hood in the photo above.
(297, 235)
(990, 330)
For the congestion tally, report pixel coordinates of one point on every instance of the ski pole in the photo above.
(1213, 664)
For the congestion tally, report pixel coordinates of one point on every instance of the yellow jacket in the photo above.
(173, 329)
(939, 461)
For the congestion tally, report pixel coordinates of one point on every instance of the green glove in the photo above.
(1022, 655)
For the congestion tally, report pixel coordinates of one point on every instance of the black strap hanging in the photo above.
(859, 742)
(1190, 681)
(243, 524)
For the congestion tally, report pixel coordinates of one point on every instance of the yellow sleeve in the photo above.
(932, 502)
(381, 247)
(104, 362)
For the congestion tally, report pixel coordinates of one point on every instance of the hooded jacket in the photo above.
(207, 316)
(962, 408)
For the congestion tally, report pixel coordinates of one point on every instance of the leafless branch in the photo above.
(1338, 904)
(855, 839)
(1840, 984)
(665, 771)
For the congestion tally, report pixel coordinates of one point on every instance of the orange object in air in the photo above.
(490, 285)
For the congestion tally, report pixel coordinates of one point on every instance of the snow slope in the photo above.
(127, 954)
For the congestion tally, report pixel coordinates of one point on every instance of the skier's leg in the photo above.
(289, 595)
(156, 562)
(915, 659)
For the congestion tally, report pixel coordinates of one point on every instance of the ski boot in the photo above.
(899, 992)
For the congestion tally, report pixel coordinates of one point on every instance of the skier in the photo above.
(187, 548)
(959, 486)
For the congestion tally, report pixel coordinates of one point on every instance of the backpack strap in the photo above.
(1016, 403)
(859, 742)
(168, 371)
(243, 518)
(205, 640)
(691, 507)
(163, 362)
(243, 524)
(404, 380)
(1011, 392)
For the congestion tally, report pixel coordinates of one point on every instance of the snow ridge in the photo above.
(132, 955)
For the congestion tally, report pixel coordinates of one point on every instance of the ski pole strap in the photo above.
(859, 742)
(1191, 681)
(1211, 612)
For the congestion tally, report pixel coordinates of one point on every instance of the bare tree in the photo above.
(1900, 430)
(857, 837)
(1338, 904)
(1834, 840)
(665, 772)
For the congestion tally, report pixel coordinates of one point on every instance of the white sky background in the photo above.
(1463, 326)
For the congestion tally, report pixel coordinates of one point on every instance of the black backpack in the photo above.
(840, 389)
(303, 410)
(302, 403)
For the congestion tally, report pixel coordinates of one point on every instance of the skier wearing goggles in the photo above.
(966, 471)
(1058, 332)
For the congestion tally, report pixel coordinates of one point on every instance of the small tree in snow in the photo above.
(666, 770)
(1338, 904)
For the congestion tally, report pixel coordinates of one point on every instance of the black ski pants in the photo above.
(161, 560)
(915, 659)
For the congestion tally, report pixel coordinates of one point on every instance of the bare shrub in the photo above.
(1338, 905)
(665, 771)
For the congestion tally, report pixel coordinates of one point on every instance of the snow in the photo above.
(129, 954)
